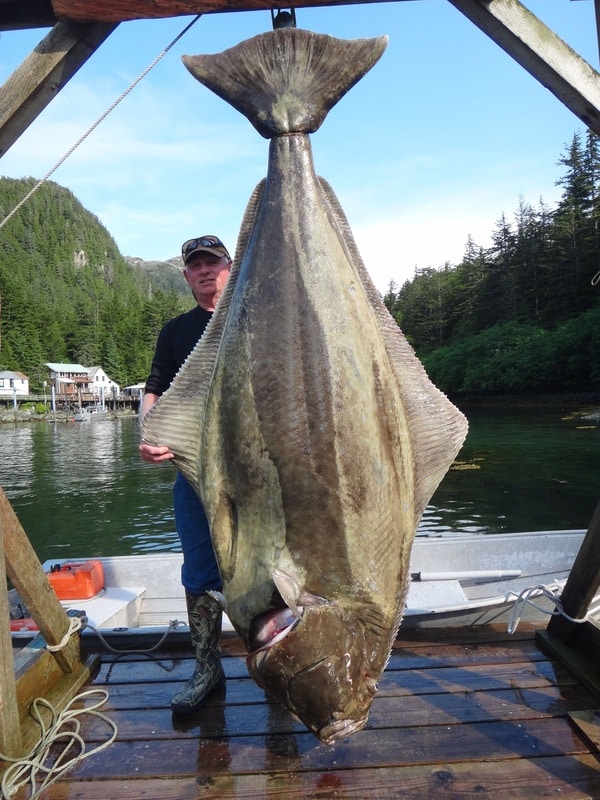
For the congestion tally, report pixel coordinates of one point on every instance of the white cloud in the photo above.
(420, 157)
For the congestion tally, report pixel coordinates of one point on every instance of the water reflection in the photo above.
(81, 488)
(519, 470)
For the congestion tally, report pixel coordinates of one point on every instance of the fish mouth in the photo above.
(329, 734)
(269, 628)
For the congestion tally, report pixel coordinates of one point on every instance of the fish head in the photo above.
(319, 669)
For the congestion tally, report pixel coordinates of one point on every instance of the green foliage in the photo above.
(514, 357)
(67, 294)
(523, 315)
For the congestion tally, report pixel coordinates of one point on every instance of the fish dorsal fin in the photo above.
(286, 80)
(248, 221)
(176, 420)
(431, 417)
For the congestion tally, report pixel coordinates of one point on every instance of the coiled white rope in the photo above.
(74, 625)
(90, 130)
(552, 592)
(37, 769)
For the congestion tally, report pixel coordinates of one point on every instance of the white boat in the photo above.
(457, 580)
(90, 412)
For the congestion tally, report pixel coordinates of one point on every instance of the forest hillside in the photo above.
(521, 316)
(67, 294)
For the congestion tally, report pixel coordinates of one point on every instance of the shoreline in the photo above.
(10, 418)
(585, 403)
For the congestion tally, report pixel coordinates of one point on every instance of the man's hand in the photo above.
(155, 455)
(150, 454)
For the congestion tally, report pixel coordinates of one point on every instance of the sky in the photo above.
(442, 137)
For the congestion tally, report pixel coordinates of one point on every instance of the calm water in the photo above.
(80, 489)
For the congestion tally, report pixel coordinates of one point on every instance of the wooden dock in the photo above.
(474, 713)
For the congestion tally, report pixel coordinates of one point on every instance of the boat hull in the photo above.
(457, 581)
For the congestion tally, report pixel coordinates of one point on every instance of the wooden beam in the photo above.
(597, 10)
(32, 584)
(44, 73)
(541, 52)
(580, 655)
(21, 14)
(583, 582)
(122, 10)
(10, 729)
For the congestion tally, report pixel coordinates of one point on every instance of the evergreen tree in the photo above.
(68, 294)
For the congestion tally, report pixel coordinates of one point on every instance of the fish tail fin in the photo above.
(286, 80)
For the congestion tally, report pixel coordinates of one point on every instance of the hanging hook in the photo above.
(284, 19)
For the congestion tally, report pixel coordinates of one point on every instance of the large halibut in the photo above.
(303, 419)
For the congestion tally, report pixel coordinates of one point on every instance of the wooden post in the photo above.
(597, 10)
(31, 582)
(541, 52)
(42, 75)
(583, 582)
(10, 729)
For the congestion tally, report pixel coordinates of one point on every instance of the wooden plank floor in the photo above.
(480, 715)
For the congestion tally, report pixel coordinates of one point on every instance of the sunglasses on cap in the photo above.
(202, 241)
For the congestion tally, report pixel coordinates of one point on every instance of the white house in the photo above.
(74, 378)
(13, 382)
(100, 384)
(135, 390)
(68, 378)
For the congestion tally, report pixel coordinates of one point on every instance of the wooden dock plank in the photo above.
(409, 656)
(221, 717)
(454, 719)
(567, 777)
(393, 682)
(588, 722)
(300, 751)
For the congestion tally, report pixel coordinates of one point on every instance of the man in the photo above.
(207, 265)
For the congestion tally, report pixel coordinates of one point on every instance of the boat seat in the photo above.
(428, 595)
(113, 607)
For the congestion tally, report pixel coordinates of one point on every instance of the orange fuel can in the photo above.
(77, 580)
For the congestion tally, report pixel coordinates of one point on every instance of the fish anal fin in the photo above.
(437, 428)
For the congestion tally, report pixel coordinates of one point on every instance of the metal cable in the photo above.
(98, 121)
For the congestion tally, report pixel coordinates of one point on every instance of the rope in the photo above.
(38, 769)
(74, 625)
(173, 625)
(61, 161)
(551, 592)
(596, 279)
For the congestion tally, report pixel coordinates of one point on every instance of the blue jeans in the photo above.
(199, 571)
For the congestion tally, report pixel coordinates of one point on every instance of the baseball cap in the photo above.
(206, 244)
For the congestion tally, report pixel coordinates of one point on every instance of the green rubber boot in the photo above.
(204, 615)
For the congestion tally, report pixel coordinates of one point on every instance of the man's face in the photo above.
(207, 275)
